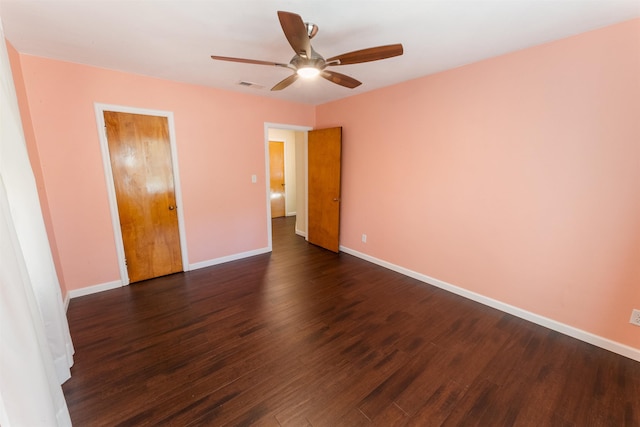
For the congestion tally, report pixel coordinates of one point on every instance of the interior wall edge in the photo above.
(598, 341)
(229, 258)
(94, 289)
(34, 158)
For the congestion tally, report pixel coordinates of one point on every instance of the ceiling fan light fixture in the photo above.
(308, 72)
(307, 63)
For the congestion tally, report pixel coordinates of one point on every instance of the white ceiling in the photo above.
(173, 39)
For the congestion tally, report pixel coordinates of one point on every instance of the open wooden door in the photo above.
(324, 161)
(140, 155)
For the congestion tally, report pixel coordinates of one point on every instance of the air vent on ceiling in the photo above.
(250, 84)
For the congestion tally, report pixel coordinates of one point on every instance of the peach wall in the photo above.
(517, 178)
(220, 144)
(34, 157)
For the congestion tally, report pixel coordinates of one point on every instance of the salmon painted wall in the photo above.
(517, 178)
(34, 157)
(220, 144)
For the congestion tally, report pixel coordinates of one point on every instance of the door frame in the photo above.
(111, 190)
(268, 126)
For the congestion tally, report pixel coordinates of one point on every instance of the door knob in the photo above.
(336, 200)
(171, 208)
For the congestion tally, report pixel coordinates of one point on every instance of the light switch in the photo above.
(254, 179)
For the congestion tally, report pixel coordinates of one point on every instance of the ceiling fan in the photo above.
(308, 63)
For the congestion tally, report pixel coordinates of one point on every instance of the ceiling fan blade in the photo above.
(340, 79)
(366, 55)
(249, 61)
(296, 32)
(286, 82)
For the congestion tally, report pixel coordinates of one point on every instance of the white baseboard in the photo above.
(228, 258)
(301, 233)
(66, 300)
(74, 293)
(598, 341)
(117, 283)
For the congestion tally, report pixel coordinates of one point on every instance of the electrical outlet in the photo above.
(635, 317)
(364, 238)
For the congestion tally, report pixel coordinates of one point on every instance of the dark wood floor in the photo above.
(304, 337)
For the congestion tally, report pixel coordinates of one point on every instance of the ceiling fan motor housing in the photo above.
(315, 61)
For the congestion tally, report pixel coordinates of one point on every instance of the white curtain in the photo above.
(36, 351)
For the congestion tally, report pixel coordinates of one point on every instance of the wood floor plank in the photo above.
(440, 399)
(307, 337)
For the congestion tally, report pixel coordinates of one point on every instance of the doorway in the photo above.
(293, 139)
(141, 171)
(299, 137)
(276, 179)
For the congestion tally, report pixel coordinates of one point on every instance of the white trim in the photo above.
(177, 191)
(305, 155)
(301, 233)
(74, 293)
(267, 178)
(285, 172)
(118, 284)
(111, 192)
(598, 341)
(229, 258)
(268, 126)
(66, 300)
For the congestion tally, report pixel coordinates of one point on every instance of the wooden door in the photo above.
(276, 180)
(140, 154)
(324, 159)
